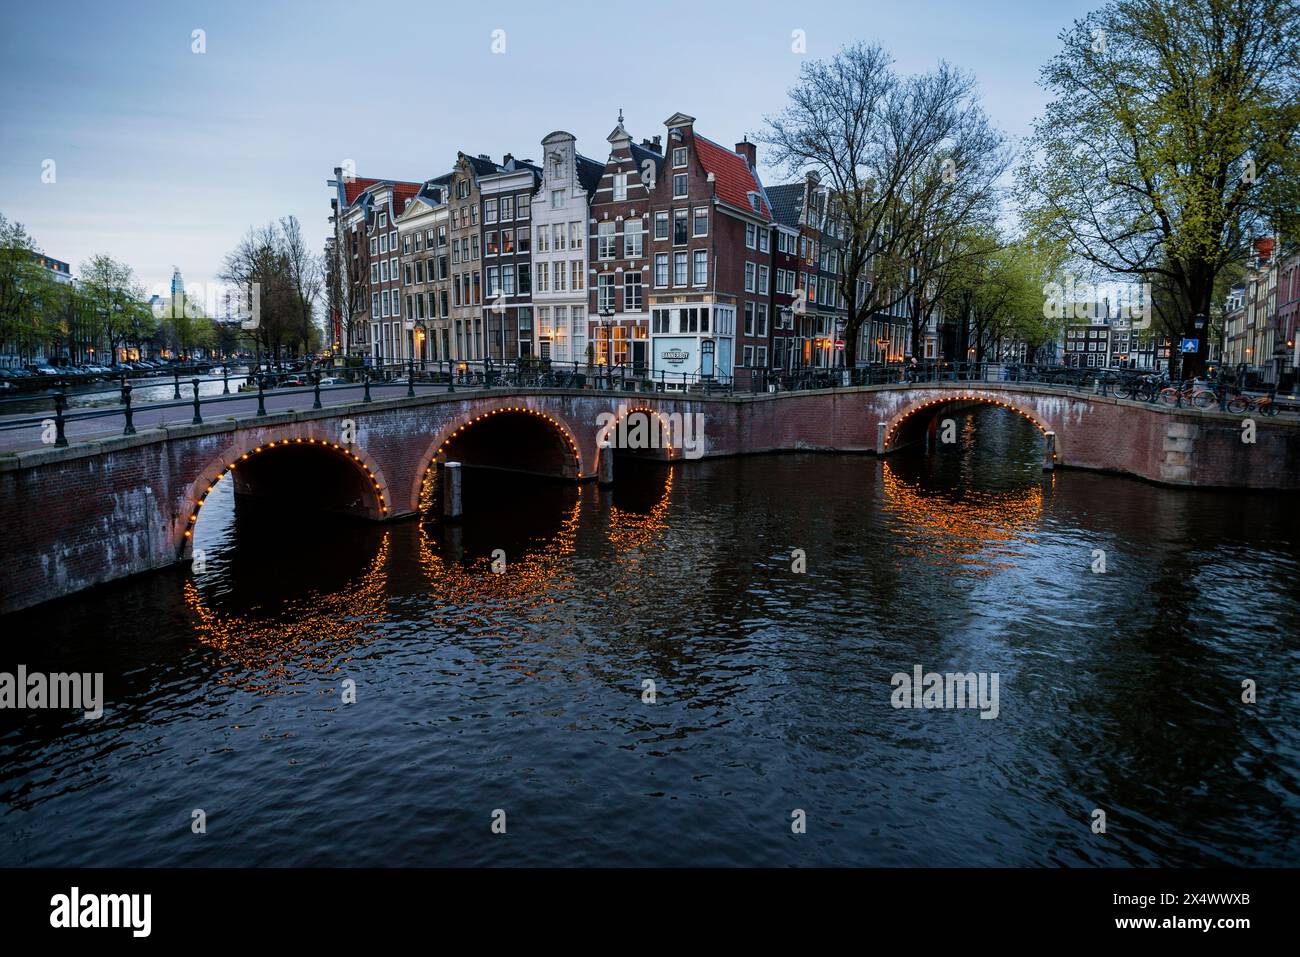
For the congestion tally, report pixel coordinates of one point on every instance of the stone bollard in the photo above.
(452, 503)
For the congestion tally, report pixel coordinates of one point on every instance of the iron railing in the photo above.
(449, 376)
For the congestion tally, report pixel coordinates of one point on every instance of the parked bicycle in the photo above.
(1257, 405)
(1189, 394)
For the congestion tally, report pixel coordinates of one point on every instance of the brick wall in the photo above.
(97, 511)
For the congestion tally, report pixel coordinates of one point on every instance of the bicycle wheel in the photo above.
(1238, 405)
(1205, 400)
(1169, 396)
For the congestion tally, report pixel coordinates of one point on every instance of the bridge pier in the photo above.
(453, 506)
(605, 467)
(880, 437)
(1049, 451)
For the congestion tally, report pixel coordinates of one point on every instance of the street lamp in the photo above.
(607, 317)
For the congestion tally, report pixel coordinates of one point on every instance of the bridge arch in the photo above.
(935, 400)
(485, 417)
(670, 453)
(372, 506)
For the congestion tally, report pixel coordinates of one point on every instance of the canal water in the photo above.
(525, 692)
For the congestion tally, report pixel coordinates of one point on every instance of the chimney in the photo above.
(654, 146)
(508, 161)
(748, 150)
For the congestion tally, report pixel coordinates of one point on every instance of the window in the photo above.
(764, 241)
(507, 208)
(575, 235)
(383, 243)
(419, 271)
(576, 274)
(679, 226)
(524, 206)
(679, 156)
(543, 278)
(543, 239)
(762, 279)
(491, 281)
(751, 236)
(679, 269)
(701, 264)
(383, 271)
(661, 269)
(679, 185)
(606, 241)
(374, 304)
(620, 187)
(749, 320)
(474, 246)
(748, 356)
(406, 245)
(605, 292)
(632, 242)
(374, 246)
(557, 199)
(507, 242)
(659, 322)
(374, 272)
(761, 321)
(490, 242)
(557, 231)
(559, 269)
(749, 277)
(632, 292)
(661, 224)
(489, 210)
(701, 221)
(406, 275)
(523, 234)
(508, 280)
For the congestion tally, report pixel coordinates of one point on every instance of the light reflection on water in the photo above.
(524, 690)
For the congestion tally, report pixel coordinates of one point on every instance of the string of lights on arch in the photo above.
(987, 399)
(297, 440)
(551, 420)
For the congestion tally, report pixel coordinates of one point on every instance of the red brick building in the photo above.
(367, 263)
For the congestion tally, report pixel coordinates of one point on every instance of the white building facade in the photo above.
(561, 209)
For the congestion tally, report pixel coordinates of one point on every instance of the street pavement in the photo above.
(109, 421)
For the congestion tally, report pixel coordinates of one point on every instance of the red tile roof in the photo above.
(401, 190)
(353, 189)
(732, 178)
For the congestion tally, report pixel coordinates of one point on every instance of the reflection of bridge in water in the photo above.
(108, 507)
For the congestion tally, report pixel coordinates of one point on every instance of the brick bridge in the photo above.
(102, 509)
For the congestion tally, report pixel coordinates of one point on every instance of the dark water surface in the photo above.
(523, 691)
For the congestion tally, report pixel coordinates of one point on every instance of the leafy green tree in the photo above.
(28, 293)
(1171, 140)
(117, 301)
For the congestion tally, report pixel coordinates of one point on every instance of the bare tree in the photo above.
(908, 160)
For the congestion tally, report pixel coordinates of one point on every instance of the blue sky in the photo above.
(165, 157)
